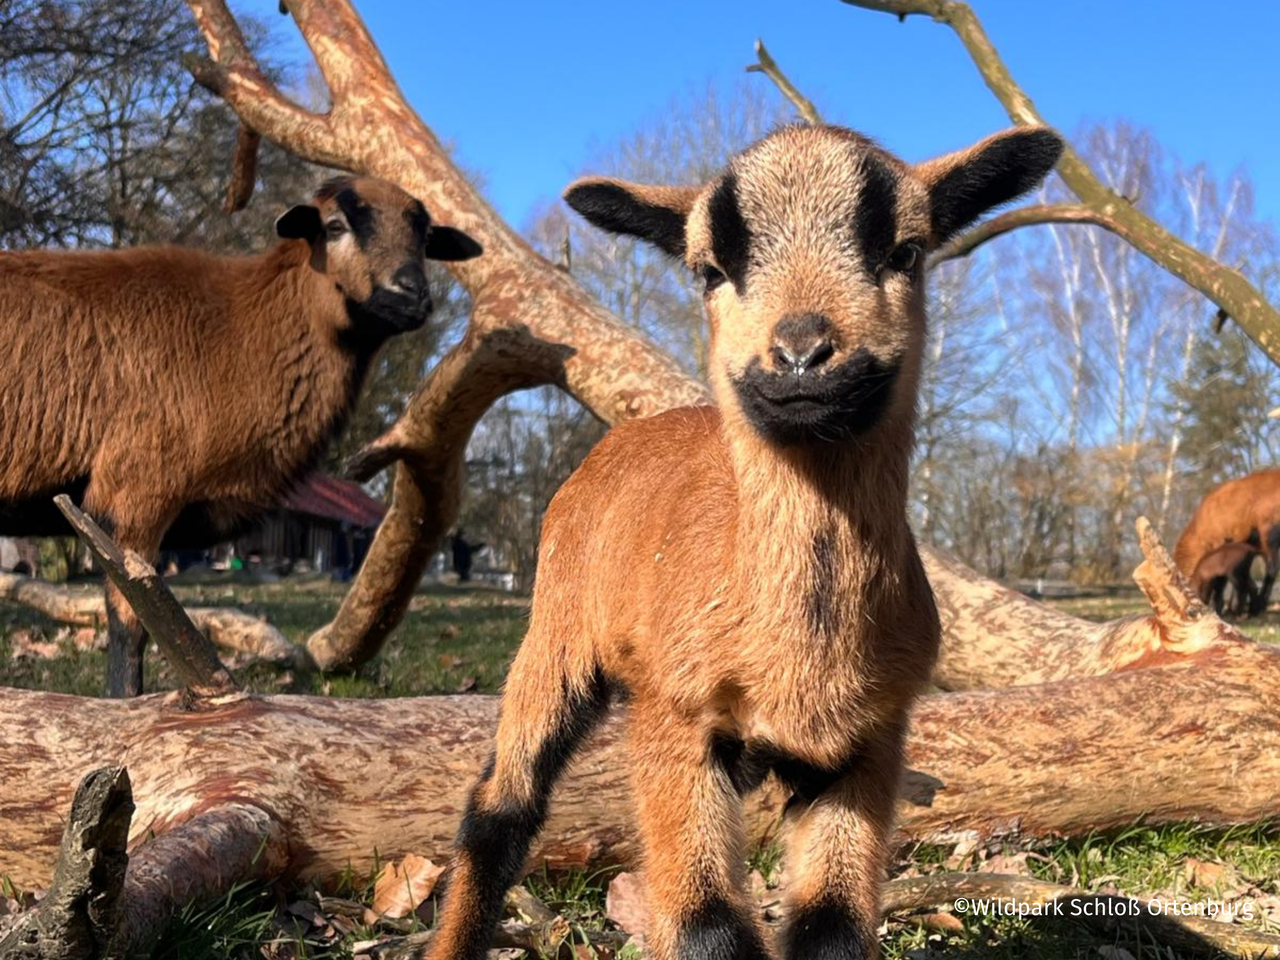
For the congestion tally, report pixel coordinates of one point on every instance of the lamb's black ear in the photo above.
(302, 222)
(966, 184)
(448, 243)
(655, 214)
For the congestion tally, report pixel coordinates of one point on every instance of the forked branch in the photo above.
(769, 67)
(1227, 288)
(531, 323)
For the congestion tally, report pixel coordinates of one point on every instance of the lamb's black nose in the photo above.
(411, 280)
(802, 343)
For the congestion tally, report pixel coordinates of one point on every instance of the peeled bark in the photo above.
(57, 602)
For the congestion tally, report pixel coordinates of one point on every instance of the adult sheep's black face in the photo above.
(373, 240)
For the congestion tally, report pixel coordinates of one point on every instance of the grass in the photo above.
(1265, 628)
(456, 639)
(452, 639)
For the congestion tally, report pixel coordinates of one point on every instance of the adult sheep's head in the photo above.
(373, 240)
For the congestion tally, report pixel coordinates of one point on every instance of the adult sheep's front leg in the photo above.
(126, 646)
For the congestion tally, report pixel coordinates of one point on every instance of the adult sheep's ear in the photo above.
(302, 222)
(447, 243)
(654, 214)
(966, 184)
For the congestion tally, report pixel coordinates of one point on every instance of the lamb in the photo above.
(172, 391)
(745, 577)
(1231, 512)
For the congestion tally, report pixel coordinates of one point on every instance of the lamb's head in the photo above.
(811, 247)
(372, 240)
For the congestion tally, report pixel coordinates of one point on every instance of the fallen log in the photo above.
(1196, 738)
(58, 602)
(993, 636)
(226, 627)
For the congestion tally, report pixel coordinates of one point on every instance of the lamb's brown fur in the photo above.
(745, 576)
(1234, 511)
(157, 380)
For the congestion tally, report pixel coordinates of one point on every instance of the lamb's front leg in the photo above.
(690, 820)
(836, 856)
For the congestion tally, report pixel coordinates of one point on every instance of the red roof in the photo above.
(324, 496)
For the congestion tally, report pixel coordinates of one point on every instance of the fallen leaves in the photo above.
(24, 644)
(403, 887)
(625, 904)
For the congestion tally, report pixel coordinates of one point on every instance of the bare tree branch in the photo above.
(966, 243)
(244, 170)
(769, 67)
(531, 323)
(1226, 287)
(188, 651)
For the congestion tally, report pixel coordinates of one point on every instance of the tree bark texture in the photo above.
(1196, 737)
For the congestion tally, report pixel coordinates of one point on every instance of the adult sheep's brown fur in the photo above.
(1231, 563)
(159, 382)
(1237, 510)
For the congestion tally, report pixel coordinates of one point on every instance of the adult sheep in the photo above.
(1230, 564)
(1235, 511)
(169, 389)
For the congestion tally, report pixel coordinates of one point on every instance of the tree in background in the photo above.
(1223, 403)
(1060, 397)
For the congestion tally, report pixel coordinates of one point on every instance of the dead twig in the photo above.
(189, 652)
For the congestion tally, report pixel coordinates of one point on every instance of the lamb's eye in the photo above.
(711, 276)
(905, 257)
(334, 229)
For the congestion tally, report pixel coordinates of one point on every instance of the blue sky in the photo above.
(525, 90)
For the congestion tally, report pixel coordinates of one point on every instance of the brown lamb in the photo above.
(174, 391)
(744, 577)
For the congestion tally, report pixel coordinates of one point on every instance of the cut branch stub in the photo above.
(188, 651)
(78, 916)
(1185, 624)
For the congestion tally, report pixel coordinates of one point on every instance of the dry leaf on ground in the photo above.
(401, 887)
(625, 904)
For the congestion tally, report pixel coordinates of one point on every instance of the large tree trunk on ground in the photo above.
(1197, 738)
(996, 637)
